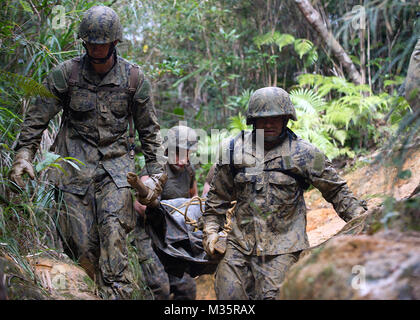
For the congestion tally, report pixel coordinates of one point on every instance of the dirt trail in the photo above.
(369, 182)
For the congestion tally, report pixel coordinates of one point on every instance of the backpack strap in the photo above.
(132, 86)
(74, 74)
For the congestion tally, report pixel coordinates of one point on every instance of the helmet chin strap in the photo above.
(93, 60)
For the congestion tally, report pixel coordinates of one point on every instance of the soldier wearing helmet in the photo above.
(101, 95)
(179, 142)
(269, 220)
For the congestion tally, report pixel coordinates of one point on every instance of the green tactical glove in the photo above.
(21, 165)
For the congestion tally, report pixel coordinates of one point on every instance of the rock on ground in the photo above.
(385, 265)
(52, 279)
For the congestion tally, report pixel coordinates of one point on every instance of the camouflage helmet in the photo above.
(100, 25)
(181, 137)
(270, 102)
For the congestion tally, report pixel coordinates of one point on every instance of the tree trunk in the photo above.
(315, 20)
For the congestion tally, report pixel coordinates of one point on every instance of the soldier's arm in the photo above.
(194, 189)
(219, 197)
(146, 123)
(334, 189)
(193, 184)
(43, 110)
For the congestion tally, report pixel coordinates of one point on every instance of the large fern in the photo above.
(301, 46)
(311, 125)
(342, 110)
(30, 87)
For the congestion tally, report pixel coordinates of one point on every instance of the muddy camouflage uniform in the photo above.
(161, 283)
(269, 223)
(97, 211)
(412, 84)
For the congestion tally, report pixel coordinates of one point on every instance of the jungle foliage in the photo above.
(205, 58)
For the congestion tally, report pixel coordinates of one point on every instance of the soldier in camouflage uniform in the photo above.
(412, 82)
(99, 97)
(181, 183)
(269, 222)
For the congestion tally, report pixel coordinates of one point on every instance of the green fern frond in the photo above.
(398, 80)
(310, 79)
(340, 135)
(280, 39)
(339, 115)
(302, 46)
(237, 124)
(30, 87)
(307, 100)
(263, 39)
(311, 57)
(283, 39)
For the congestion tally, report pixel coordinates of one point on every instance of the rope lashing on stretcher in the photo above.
(195, 201)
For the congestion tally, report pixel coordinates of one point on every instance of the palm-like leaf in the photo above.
(302, 46)
(283, 39)
(29, 86)
(307, 100)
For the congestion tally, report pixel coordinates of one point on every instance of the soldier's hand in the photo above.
(209, 243)
(21, 165)
(149, 190)
(140, 209)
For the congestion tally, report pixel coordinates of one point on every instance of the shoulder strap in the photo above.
(74, 74)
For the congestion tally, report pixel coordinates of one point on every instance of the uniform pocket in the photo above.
(244, 185)
(117, 112)
(82, 101)
(82, 112)
(283, 189)
(119, 108)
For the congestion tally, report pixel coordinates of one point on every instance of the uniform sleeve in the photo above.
(334, 189)
(210, 175)
(220, 195)
(40, 112)
(146, 123)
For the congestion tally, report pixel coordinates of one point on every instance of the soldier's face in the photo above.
(179, 159)
(98, 51)
(272, 126)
